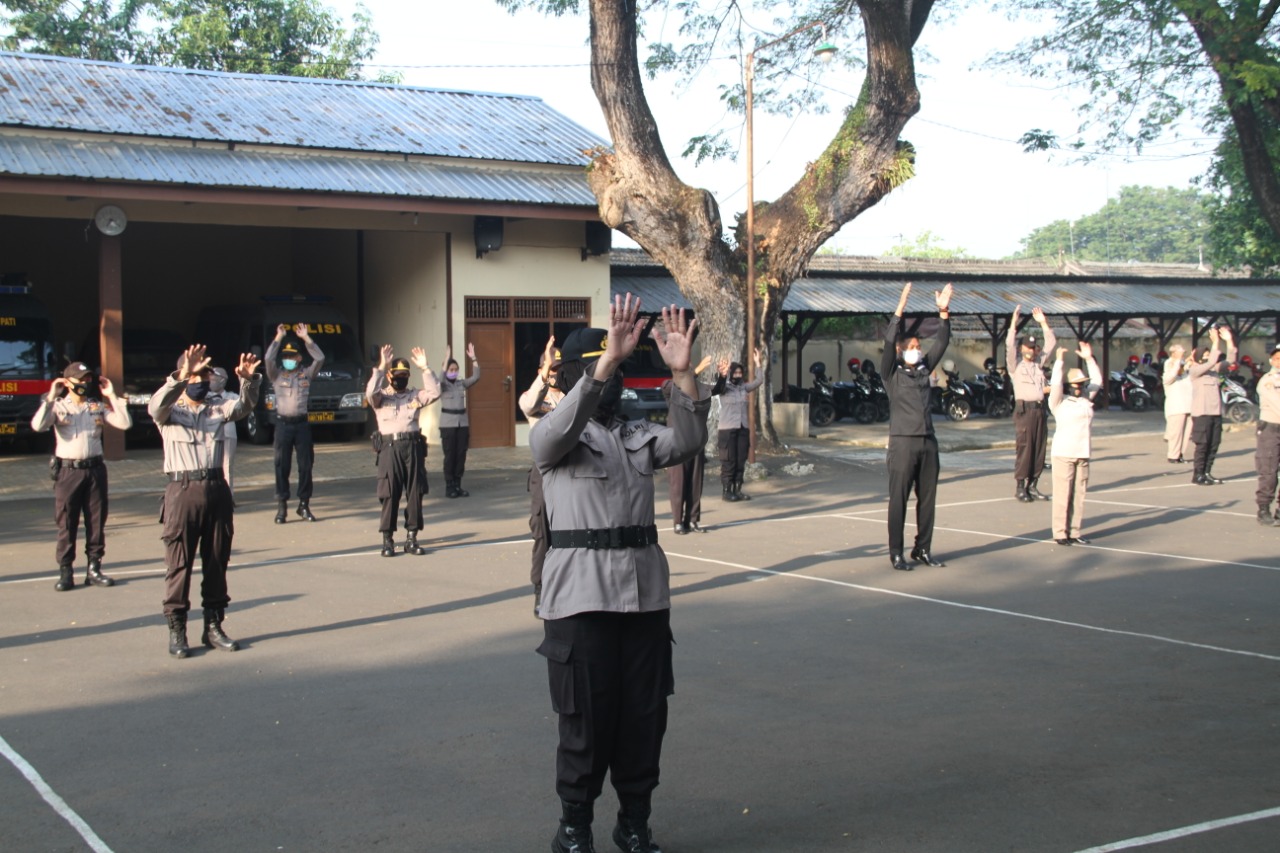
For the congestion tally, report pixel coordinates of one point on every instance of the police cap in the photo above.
(584, 344)
(399, 365)
(76, 370)
(289, 348)
(1031, 341)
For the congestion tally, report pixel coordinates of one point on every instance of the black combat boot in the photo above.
(93, 575)
(737, 490)
(66, 579)
(304, 510)
(411, 545)
(574, 835)
(450, 489)
(212, 635)
(632, 833)
(1021, 493)
(461, 492)
(282, 512)
(1033, 493)
(1265, 517)
(178, 635)
(729, 493)
(388, 545)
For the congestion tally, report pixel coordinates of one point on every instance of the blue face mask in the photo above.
(289, 363)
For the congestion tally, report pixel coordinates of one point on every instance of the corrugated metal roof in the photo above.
(1065, 296)
(283, 170)
(45, 92)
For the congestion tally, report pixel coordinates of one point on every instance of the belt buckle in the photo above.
(616, 537)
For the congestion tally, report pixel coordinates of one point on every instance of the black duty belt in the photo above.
(200, 474)
(291, 419)
(453, 411)
(635, 536)
(401, 436)
(91, 462)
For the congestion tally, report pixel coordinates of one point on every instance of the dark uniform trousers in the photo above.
(196, 514)
(734, 445)
(1031, 434)
(1267, 460)
(402, 472)
(913, 465)
(290, 437)
(1206, 432)
(610, 676)
(76, 491)
(685, 482)
(454, 441)
(537, 525)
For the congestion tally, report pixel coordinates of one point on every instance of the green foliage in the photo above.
(1238, 232)
(846, 328)
(926, 245)
(298, 38)
(1142, 224)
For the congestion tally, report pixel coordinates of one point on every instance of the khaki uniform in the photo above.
(1029, 414)
(80, 482)
(197, 509)
(1267, 456)
(292, 389)
(1177, 409)
(1072, 448)
(403, 450)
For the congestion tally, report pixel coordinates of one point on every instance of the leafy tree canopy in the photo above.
(926, 245)
(1240, 235)
(299, 38)
(1146, 224)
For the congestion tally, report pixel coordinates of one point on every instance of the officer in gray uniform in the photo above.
(1267, 456)
(606, 594)
(1026, 360)
(197, 508)
(401, 447)
(538, 400)
(218, 394)
(291, 382)
(455, 427)
(1206, 403)
(733, 437)
(79, 474)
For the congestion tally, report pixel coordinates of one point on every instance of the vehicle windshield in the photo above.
(25, 349)
(338, 348)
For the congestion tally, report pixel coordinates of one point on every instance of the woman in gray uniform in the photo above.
(455, 427)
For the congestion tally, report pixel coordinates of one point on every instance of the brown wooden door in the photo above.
(491, 402)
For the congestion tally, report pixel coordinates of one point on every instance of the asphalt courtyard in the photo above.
(1026, 697)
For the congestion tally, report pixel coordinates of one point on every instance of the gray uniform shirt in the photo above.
(78, 426)
(453, 395)
(1027, 376)
(193, 435)
(1269, 397)
(1206, 398)
(733, 402)
(397, 411)
(596, 477)
(292, 387)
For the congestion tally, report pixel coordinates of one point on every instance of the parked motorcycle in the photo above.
(1127, 390)
(875, 389)
(992, 391)
(951, 398)
(1236, 405)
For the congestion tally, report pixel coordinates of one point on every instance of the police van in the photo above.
(337, 394)
(27, 360)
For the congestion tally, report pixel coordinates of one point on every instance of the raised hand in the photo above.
(248, 364)
(1213, 334)
(104, 384)
(1037, 315)
(703, 365)
(1062, 353)
(419, 358)
(902, 300)
(384, 357)
(471, 352)
(301, 331)
(193, 361)
(281, 331)
(1225, 334)
(625, 328)
(1085, 351)
(942, 298)
(722, 366)
(54, 386)
(675, 341)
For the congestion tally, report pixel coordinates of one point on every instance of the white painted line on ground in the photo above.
(1187, 509)
(59, 805)
(978, 607)
(1183, 832)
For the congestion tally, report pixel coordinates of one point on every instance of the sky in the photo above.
(975, 189)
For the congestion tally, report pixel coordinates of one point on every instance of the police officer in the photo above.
(606, 593)
(1206, 403)
(913, 448)
(1176, 379)
(1072, 405)
(455, 427)
(538, 400)
(197, 508)
(291, 383)
(402, 449)
(218, 394)
(734, 437)
(684, 481)
(79, 475)
(1026, 360)
(1267, 456)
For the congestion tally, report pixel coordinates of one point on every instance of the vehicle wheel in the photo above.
(822, 413)
(1000, 408)
(864, 412)
(254, 429)
(958, 410)
(882, 410)
(1139, 402)
(1239, 412)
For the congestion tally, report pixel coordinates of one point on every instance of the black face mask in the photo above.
(81, 390)
(197, 391)
(1076, 390)
(399, 382)
(735, 380)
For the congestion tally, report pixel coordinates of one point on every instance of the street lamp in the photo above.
(824, 51)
